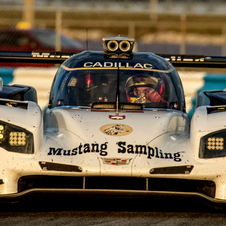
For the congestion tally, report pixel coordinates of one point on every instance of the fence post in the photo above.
(28, 12)
(132, 34)
(58, 29)
(132, 30)
(153, 5)
(183, 33)
(223, 49)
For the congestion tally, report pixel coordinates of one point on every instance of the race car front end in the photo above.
(116, 125)
(19, 140)
(103, 156)
(207, 142)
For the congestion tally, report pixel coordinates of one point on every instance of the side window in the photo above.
(6, 39)
(14, 40)
(10, 39)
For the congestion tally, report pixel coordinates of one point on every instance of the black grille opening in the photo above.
(182, 185)
(117, 183)
(29, 182)
(121, 183)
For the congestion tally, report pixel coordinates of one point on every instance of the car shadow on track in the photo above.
(65, 203)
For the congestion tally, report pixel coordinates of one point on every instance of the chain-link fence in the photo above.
(160, 26)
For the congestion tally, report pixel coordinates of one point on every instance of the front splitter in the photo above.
(104, 193)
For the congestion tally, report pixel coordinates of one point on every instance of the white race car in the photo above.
(116, 125)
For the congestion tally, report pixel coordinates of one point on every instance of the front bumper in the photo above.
(113, 187)
(33, 194)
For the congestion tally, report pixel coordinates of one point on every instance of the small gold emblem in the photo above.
(116, 129)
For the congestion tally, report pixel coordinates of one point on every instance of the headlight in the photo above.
(16, 139)
(213, 145)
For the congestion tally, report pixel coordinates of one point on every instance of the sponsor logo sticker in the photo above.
(121, 148)
(116, 129)
(116, 161)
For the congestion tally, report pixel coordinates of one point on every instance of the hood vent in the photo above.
(51, 166)
(173, 170)
(212, 110)
(16, 104)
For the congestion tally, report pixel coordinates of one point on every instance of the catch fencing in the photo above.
(155, 29)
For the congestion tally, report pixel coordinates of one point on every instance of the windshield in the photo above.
(85, 87)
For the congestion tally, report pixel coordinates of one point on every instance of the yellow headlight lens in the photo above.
(17, 138)
(215, 143)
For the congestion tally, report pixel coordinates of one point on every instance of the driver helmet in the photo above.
(132, 87)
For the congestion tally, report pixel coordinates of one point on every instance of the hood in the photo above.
(140, 127)
(95, 136)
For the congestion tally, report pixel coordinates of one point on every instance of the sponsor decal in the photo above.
(81, 149)
(117, 64)
(123, 148)
(116, 129)
(116, 161)
(147, 150)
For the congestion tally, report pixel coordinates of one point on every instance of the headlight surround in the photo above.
(213, 145)
(16, 139)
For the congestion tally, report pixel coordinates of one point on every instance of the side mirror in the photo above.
(1, 84)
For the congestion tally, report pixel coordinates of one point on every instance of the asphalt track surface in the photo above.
(102, 212)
